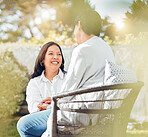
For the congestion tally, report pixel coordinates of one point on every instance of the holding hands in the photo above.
(44, 104)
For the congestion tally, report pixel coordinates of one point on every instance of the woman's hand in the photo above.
(44, 104)
(47, 100)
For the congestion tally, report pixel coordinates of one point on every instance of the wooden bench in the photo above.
(116, 119)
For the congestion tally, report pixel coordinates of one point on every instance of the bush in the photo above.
(62, 38)
(129, 39)
(13, 79)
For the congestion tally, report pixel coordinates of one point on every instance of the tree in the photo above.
(137, 18)
(21, 17)
(108, 29)
(15, 16)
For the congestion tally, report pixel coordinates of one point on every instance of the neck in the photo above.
(85, 37)
(50, 74)
(89, 36)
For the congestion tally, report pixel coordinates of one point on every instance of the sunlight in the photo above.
(48, 14)
(38, 20)
(45, 14)
(119, 25)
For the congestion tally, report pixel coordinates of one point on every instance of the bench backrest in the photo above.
(112, 121)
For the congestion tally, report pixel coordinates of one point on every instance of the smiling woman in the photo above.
(52, 61)
(46, 81)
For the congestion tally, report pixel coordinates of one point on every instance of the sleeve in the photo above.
(33, 96)
(75, 72)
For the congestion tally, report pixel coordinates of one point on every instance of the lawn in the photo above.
(8, 129)
(137, 133)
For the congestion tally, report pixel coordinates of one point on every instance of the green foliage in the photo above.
(129, 39)
(8, 127)
(137, 133)
(110, 29)
(23, 16)
(61, 37)
(139, 10)
(137, 19)
(71, 8)
(13, 79)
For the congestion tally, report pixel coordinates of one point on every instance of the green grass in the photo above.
(8, 129)
(140, 130)
(137, 133)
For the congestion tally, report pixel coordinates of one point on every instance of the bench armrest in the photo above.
(97, 89)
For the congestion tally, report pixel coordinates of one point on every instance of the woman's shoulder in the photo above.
(34, 81)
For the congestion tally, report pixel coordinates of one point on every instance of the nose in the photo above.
(55, 56)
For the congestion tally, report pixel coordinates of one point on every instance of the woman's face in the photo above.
(53, 58)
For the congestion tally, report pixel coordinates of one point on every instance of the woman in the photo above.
(46, 81)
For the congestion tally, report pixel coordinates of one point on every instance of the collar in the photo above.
(91, 39)
(42, 77)
(61, 75)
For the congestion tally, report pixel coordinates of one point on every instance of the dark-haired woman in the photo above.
(45, 82)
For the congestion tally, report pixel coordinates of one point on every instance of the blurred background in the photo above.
(26, 25)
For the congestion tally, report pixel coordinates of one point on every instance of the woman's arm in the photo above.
(33, 96)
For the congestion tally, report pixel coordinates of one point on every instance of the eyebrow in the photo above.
(53, 51)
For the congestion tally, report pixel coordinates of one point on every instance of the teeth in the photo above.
(55, 62)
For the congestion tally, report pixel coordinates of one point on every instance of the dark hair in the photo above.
(39, 66)
(90, 21)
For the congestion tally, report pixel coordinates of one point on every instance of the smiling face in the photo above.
(53, 58)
